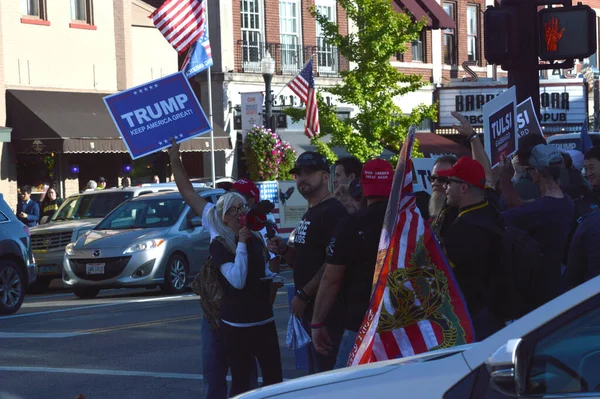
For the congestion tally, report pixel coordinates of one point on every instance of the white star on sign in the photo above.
(160, 143)
(145, 89)
(150, 87)
(181, 136)
(156, 85)
(135, 93)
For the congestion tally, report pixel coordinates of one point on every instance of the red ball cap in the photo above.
(377, 178)
(468, 170)
(248, 188)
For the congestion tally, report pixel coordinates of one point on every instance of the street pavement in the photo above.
(134, 343)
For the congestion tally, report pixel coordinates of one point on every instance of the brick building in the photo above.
(57, 60)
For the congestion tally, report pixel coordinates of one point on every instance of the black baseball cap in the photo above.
(312, 161)
(102, 180)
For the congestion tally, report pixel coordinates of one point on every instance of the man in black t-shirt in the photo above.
(307, 257)
(351, 259)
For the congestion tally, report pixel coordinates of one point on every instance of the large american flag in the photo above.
(182, 22)
(303, 85)
(416, 305)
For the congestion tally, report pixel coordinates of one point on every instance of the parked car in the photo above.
(78, 214)
(17, 264)
(571, 141)
(553, 351)
(147, 241)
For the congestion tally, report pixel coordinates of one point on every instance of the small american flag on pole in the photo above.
(303, 85)
(181, 22)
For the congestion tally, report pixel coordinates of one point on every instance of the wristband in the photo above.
(317, 326)
(302, 295)
(471, 137)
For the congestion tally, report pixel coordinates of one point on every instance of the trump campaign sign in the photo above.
(147, 116)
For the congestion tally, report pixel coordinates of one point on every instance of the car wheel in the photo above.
(12, 291)
(40, 285)
(86, 293)
(175, 275)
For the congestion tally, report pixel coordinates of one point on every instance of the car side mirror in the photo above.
(196, 221)
(504, 369)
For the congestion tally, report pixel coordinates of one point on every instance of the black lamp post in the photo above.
(267, 66)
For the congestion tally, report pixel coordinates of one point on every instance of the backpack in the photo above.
(512, 281)
(207, 284)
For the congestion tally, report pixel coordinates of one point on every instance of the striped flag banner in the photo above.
(416, 305)
(181, 22)
(303, 85)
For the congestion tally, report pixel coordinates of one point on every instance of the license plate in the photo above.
(94, 268)
(47, 269)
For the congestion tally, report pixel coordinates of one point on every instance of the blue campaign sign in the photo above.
(147, 116)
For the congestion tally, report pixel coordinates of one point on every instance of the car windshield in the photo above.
(144, 214)
(91, 206)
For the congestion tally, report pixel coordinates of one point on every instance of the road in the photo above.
(123, 344)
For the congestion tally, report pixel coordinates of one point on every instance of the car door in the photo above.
(560, 359)
(198, 240)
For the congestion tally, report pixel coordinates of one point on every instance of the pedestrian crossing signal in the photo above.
(567, 33)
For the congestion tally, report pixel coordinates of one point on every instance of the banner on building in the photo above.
(500, 133)
(147, 116)
(252, 111)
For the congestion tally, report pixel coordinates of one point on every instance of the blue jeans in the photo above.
(346, 346)
(215, 364)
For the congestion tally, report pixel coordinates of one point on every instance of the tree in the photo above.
(381, 33)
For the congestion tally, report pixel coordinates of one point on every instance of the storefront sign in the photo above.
(147, 116)
(500, 132)
(252, 111)
(561, 102)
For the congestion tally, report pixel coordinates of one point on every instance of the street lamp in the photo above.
(267, 67)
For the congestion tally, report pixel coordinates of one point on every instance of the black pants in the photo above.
(243, 345)
(317, 362)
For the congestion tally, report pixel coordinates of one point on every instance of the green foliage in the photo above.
(267, 156)
(372, 84)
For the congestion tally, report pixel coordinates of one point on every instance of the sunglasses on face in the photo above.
(238, 209)
(432, 179)
(449, 181)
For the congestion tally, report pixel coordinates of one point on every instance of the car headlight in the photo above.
(70, 249)
(144, 246)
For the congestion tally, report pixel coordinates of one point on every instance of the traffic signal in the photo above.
(567, 33)
(499, 35)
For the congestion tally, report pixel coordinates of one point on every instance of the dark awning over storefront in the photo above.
(435, 15)
(433, 145)
(64, 122)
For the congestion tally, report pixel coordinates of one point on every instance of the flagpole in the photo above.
(210, 115)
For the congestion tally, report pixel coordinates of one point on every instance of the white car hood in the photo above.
(368, 380)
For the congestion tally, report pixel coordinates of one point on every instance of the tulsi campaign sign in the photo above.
(147, 116)
(500, 132)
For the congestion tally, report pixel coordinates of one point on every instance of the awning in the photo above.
(435, 15)
(65, 122)
(433, 145)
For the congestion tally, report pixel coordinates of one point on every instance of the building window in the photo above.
(449, 37)
(326, 53)
(82, 11)
(473, 32)
(252, 46)
(33, 8)
(419, 47)
(289, 29)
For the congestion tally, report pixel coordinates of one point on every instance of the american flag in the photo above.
(303, 85)
(269, 190)
(182, 22)
(416, 305)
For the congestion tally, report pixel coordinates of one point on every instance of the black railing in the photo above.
(289, 59)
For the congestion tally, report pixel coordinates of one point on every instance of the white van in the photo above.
(569, 141)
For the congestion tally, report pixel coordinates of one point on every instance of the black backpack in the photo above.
(512, 279)
(208, 285)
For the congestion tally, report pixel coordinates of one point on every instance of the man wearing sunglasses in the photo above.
(441, 216)
(470, 245)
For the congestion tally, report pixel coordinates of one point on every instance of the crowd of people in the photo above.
(539, 197)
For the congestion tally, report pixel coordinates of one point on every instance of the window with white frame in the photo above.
(33, 8)
(289, 29)
(252, 46)
(419, 47)
(326, 53)
(82, 10)
(450, 57)
(473, 32)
